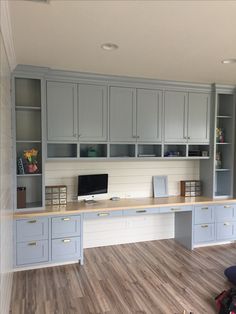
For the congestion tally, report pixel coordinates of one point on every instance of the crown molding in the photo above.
(6, 30)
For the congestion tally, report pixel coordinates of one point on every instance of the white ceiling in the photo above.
(174, 40)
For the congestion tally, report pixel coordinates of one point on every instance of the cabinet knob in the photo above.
(226, 223)
(66, 240)
(204, 208)
(103, 214)
(189, 137)
(32, 221)
(185, 137)
(204, 226)
(174, 209)
(141, 211)
(32, 243)
(227, 206)
(65, 219)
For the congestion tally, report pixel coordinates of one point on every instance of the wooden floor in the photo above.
(149, 277)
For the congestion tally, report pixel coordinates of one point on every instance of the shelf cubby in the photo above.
(174, 151)
(27, 92)
(33, 185)
(149, 150)
(122, 150)
(28, 125)
(201, 151)
(23, 146)
(93, 150)
(61, 150)
(223, 183)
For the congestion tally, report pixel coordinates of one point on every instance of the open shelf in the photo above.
(198, 151)
(93, 150)
(122, 150)
(61, 150)
(28, 125)
(28, 92)
(175, 151)
(23, 146)
(33, 185)
(149, 150)
(223, 183)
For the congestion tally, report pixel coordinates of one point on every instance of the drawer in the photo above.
(66, 226)
(31, 229)
(225, 230)
(31, 252)
(103, 214)
(141, 211)
(224, 212)
(173, 209)
(203, 214)
(66, 249)
(204, 233)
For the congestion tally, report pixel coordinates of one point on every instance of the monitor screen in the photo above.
(92, 184)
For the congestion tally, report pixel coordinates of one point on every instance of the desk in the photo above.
(55, 235)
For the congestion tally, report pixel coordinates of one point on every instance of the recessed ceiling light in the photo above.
(109, 46)
(228, 61)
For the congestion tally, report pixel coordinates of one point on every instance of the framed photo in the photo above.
(160, 186)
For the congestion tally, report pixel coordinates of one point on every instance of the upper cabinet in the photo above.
(92, 112)
(175, 113)
(149, 109)
(186, 117)
(62, 122)
(123, 114)
(198, 117)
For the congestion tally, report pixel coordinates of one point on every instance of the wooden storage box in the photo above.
(190, 188)
(56, 195)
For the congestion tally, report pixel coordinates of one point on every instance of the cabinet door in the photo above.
(92, 113)
(122, 114)
(148, 115)
(198, 117)
(175, 114)
(61, 111)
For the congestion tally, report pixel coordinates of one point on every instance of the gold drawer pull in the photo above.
(204, 208)
(226, 224)
(204, 226)
(65, 219)
(176, 209)
(227, 206)
(32, 221)
(32, 243)
(141, 211)
(103, 214)
(66, 240)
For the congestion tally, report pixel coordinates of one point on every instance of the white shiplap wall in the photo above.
(126, 179)
(6, 182)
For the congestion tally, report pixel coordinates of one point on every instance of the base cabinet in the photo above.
(48, 240)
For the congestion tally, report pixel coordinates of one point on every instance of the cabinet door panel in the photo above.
(225, 230)
(175, 112)
(92, 113)
(122, 114)
(149, 115)
(61, 111)
(198, 117)
(204, 233)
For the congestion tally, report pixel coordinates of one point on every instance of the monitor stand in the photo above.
(90, 202)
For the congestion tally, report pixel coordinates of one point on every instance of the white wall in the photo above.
(6, 183)
(126, 179)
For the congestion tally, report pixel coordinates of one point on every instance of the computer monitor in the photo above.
(92, 185)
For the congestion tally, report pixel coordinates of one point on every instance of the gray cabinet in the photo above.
(149, 109)
(186, 117)
(62, 111)
(92, 112)
(198, 118)
(175, 113)
(122, 114)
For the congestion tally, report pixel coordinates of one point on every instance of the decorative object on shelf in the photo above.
(56, 195)
(20, 166)
(193, 153)
(220, 135)
(160, 186)
(218, 160)
(21, 197)
(92, 152)
(190, 188)
(172, 154)
(205, 153)
(31, 160)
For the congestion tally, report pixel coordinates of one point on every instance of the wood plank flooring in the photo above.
(148, 277)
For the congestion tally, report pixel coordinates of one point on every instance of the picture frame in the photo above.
(160, 186)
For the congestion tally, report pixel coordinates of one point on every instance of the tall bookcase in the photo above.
(28, 136)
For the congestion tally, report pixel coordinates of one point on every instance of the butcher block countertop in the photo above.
(121, 204)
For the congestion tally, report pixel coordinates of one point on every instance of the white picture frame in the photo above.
(160, 186)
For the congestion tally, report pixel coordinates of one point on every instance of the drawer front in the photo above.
(66, 249)
(66, 226)
(31, 252)
(175, 209)
(204, 233)
(225, 230)
(103, 214)
(203, 214)
(31, 229)
(141, 211)
(224, 212)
